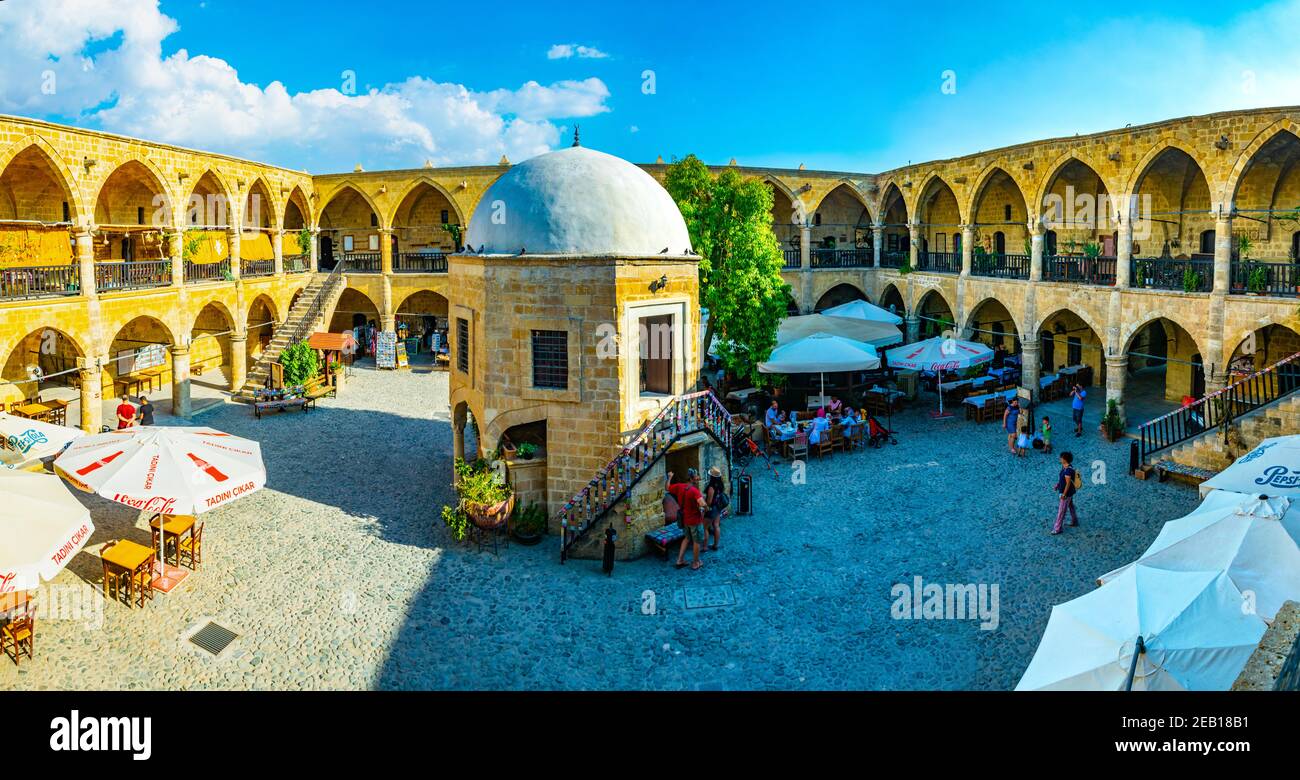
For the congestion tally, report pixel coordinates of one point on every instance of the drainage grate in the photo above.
(214, 638)
(704, 597)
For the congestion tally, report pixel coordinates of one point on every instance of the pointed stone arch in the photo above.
(60, 173)
(1285, 125)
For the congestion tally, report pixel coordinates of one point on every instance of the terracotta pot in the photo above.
(489, 516)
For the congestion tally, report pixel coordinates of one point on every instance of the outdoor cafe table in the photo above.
(13, 600)
(1070, 370)
(1045, 381)
(1002, 374)
(130, 557)
(32, 411)
(1011, 360)
(978, 400)
(175, 527)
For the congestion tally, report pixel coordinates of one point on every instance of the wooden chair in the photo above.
(832, 438)
(857, 437)
(141, 585)
(986, 411)
(191, 547)
(798, 446)
(114, 578)
(17, 635)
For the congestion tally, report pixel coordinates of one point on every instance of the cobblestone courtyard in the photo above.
(339, 574)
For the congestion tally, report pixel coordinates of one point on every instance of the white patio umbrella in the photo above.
(42, 526)
(877, 334)
(1272, 468)
(31, 440)
(1194, 635)
(819, 353)
(165, 470)
(1257, 542)
(862, 310)
(939, 354)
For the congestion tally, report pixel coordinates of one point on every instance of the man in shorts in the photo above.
(691, 500)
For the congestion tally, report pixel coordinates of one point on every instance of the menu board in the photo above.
(402, 361)
(386, 349)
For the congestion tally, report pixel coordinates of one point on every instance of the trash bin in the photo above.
(745, 494)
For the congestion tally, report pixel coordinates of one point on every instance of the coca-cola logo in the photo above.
(7, 581)
(157, 504)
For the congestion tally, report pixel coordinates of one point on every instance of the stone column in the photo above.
(1116, 376)
(1030, 363)
(277, 249)
(85, 238)
(232, 235)
(1222, 252)
(91, 376)
(178, 257)
(238, 361)
(805, 247)
(386, 251)
(181, 406)
(1124, 251)
(314, 259)
(877, 242)
(1035, 250)
(913, 325)
(967, 248)
(914, 231)
(1215, 380)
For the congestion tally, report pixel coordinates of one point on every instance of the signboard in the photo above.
(402, 360)
(130, 361)
(386, 350)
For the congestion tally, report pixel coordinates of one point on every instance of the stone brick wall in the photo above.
(1275, 664)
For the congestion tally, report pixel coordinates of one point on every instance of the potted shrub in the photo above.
(527, 450)
(483, 500)
(1191, 281)
(1112, 425)
(1257, 281)
(529, 525)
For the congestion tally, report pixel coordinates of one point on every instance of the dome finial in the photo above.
(575, 136)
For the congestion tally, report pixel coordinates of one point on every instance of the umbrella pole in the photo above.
(1139, 648)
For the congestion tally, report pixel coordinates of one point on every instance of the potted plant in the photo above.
(1112, 424)
(483, 500)
(1257, 280)
(1191, 281)
(527, 450)
(905, 267)
(529, 524)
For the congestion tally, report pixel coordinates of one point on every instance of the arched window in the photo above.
(1207, 242)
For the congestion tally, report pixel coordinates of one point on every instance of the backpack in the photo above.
(1077, 479)
(720, 500)
(672, 510)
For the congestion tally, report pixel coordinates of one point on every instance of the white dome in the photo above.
(577, 201)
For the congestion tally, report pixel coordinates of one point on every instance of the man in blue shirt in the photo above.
(773, 415)
(1077, 394)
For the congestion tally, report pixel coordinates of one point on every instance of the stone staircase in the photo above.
(1209, 452)
(309, 314)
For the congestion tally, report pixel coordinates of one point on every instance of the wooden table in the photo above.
(131, 558)
(175, 527)
(15, 600)
(32, 411)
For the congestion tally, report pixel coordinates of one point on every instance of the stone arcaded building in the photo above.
(1163, 255)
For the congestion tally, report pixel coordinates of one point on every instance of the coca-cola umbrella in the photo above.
(939, 354)
(165, 470)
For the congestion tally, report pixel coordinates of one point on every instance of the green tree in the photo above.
(729, 218)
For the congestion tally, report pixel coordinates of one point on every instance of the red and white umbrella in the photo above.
(42, 526)
(940, 354)
(165, 470)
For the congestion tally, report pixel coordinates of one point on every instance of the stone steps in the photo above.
(258, 375)
(1208, 451)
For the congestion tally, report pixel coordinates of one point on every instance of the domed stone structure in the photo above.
(574, 318)
(578, 201)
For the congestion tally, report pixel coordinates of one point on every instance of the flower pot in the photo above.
(527, 539)
(490, 516)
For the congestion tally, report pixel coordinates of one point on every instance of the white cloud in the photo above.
(108, 71)
(563, 51)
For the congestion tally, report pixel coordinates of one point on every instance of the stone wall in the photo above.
(1275, 664)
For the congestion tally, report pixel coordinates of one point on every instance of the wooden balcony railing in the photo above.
(362, 262)
(420, 263)
(252, 268)
(1166, 273)
(1079, 269)
(939, 262)
(841, 258)
(39, 281)
(207, 272)
(132, 274)
(1000, 266)
(1278, 278)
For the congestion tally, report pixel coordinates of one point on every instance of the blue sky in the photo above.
(844, 86)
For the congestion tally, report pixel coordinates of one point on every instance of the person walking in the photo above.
(715, 496)
(125, 413)
(692, 503)
(1067, 483)
(144, 414)
(1077, 394)
(1010, 418)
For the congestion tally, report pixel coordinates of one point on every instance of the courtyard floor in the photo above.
(340, 575)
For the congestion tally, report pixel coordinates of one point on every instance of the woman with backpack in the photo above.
(715, 496)
(1068, 483)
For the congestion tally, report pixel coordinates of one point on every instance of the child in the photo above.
(1047, 434)
(1023, 426)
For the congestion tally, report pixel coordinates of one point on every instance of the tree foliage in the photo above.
(729, 217)
(300, 362)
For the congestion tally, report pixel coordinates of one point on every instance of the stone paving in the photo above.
(340, 575)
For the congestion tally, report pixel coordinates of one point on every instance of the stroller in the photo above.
(878, 434)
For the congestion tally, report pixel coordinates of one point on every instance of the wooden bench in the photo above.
(660, 538)
(317, 387)
(281, 404)
(1182, 473)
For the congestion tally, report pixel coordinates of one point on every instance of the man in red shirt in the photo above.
(125, 413)
(691, 501)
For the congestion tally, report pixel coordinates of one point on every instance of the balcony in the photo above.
(792, 261)
(939, 262)
(420, 263)
(39, 281)
(254, 268)
(1279, 278)
(132, 275)
(296, 264)
(362, 262)
(1166, 273)
(1079, 269)
(998, 266)
(207, 272)
(841, 258)
(893, 259)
